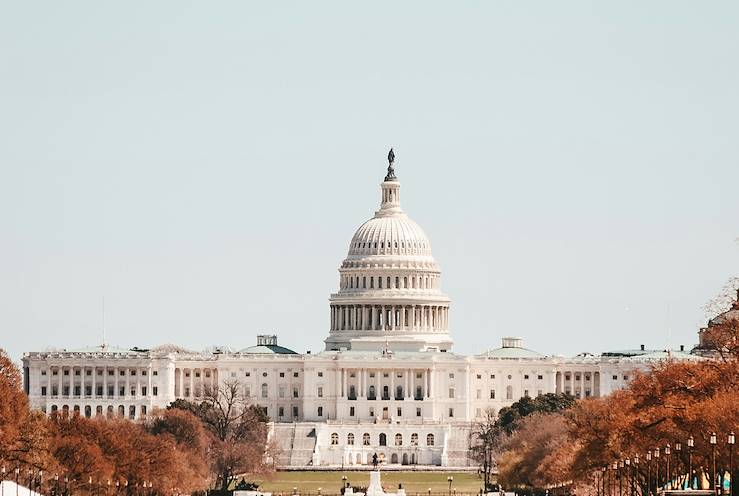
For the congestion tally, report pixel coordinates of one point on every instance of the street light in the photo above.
(712, 440)
(691, 444)
(668, 452)
(450, 479)
(603, 481)
(343, 481)
(678, 459)
(656, 475)
(730, 442)
(620, 477)
(649, 471)
(627, 465)
(636, 473)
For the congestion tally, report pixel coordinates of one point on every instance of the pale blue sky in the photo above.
(203, 165)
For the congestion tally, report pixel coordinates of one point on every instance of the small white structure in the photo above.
(10, 488)
(374, 488)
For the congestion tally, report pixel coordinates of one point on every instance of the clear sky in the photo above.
(203, 166)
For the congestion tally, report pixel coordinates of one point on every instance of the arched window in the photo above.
(414, 439)
(388, 282)
(352, 393)
(397, 282)
(385, 393)
(372, 282)
(509, 392)
(371, 394)
(364, 282)
(334, 439)
(383, 439)
(366, 439)
(264, 390)
(398, 439)
(405, 282)
(399, 392)
(430, 440)
(350, 439)
(379, 282)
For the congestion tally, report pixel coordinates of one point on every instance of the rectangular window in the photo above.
(400, 412)
(111, 372)
(526, 376)
(451, 376)
(143, 390)
(155, 373)
(540, 377)
(248, 374)
(479, 376)
(99, 391)
(418, 412)
(282, 392)
(626, 377)
(76, 372)
(526, 393)
(320, 392)
(43, 390)
(43, 372)
(110, 391)
(295, 374)
(133, 391)
(76, 390)
(295, 412)
(492, 376)
(280, 412)
(295, 392)
(154, 390)
(419, 375)
(615, 377)
(320, 374)
(66, 372)
(133, 372)
(371, 412)
(492, 394)
(282, 374)
(143, 372)
(451, 392)
(351, 411)
(451, 412)
(123, 372)
(320, 411)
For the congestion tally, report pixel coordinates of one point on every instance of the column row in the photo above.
(389, 317)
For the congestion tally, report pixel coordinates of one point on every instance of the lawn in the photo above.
(415, 483)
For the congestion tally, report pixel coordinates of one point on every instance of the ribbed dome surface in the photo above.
(390, 235)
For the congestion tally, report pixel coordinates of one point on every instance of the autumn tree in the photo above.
(238, 431)
(485, 439)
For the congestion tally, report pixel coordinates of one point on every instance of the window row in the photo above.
(389, 282)
(88, 372)
(381, 439)
(99, 391)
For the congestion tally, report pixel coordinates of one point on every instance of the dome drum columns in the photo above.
(418, 318)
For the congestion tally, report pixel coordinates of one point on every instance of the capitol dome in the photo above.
(390, 235)
(390, 285)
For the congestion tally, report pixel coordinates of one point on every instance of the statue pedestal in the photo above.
(375, 487)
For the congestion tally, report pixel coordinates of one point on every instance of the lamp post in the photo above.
(450, 479)
(712, 440)
(730, 441)
(691, 444)
(344, 485)
(620, 477)
(678, 460)
(649, 472)
(636, 473)
(656, 475)
(668, 452)
(629, 481)
(603, 480)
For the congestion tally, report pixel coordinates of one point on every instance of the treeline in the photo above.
(183, 449)
(639, 437)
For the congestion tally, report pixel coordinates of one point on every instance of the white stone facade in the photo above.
(387, 383)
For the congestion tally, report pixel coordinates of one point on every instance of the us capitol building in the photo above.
(386, 383)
